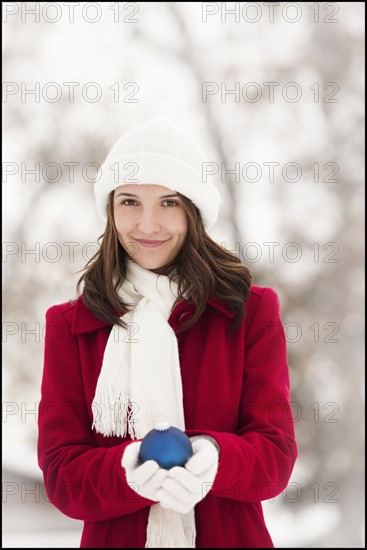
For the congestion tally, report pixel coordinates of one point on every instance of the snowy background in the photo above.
(275, 94)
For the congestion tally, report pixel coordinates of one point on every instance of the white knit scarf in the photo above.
(140, 384)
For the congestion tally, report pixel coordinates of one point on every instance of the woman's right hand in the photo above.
(145, 479)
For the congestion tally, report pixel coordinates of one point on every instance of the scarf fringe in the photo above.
(121, 421)
(169, 529)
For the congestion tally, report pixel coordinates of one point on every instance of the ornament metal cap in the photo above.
(162, 425)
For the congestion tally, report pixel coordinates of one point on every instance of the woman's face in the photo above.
(151, 223)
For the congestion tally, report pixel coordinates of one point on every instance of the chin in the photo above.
(155, 264)
(150, 264)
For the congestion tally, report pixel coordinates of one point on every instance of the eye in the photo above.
(126, 201)
(175, 203)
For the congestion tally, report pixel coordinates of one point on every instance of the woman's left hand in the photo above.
(185, 486)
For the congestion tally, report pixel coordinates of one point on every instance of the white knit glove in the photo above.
(145, 479)
(186, 486)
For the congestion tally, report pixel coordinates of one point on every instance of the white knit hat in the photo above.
(158, 152)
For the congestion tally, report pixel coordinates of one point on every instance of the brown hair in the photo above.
(202, 268)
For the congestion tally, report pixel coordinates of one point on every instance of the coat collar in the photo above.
(84, 321)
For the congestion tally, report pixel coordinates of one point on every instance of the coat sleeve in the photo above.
(257, 461)
(82, 480)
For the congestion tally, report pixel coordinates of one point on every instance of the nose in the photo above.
(148, 222)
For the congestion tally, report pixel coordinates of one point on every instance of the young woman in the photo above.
(168, 325)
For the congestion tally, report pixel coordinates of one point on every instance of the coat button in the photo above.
(184, 316)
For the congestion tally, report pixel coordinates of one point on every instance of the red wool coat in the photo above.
(236, 389)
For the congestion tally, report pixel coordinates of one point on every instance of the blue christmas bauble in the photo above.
(167, 445)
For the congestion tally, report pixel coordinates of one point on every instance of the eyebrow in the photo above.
(136, 196)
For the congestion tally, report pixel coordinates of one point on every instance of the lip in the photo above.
(150, 244)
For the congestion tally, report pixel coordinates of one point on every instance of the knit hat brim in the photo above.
(160, 169)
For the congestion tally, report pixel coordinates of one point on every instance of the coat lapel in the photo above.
(84, 321)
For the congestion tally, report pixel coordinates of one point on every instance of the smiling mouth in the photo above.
(150, 244)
